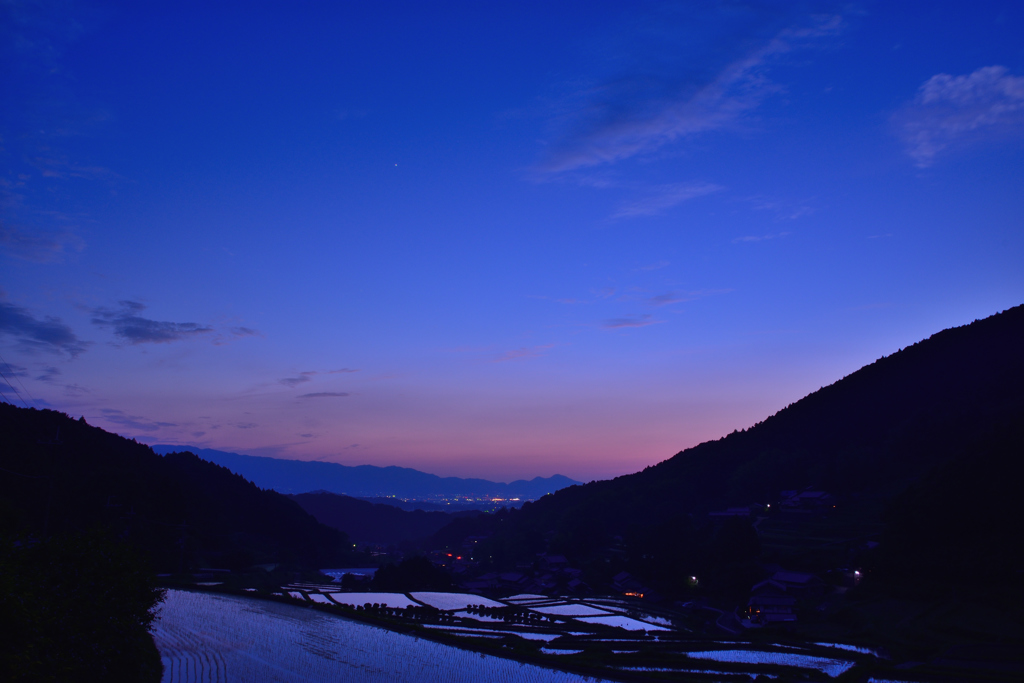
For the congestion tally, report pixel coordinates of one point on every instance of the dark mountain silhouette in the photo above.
(62, 475)
(301, 476)
(942, 417)
(367, 522)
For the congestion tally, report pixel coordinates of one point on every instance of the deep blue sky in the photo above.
(496, 241)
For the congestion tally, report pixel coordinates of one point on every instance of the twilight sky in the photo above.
(493, 239)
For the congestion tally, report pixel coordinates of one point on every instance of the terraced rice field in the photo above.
(621, 621)
(281, 642)
(205, 638)
(571, 610)
(451, 601)
(829, 667)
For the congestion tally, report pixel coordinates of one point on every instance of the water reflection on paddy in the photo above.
(219, 638)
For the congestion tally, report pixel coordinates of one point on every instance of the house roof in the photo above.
(795, 578)
(768, 586)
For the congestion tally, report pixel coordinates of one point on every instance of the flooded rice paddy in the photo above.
(307, 635)
(211, 638)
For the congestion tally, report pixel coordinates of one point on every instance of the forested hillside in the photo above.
(379, 523)
(63, 475)
(944, 417)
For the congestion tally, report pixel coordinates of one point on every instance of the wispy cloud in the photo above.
(669, 298)
(129, 326)
(75, 390)
(630, 321)
(38, 246)
(49, 374)
(301, 378)
(956, 110)
(638, 113)
(48, 334)
(235, 333)
(7, 373)
(58, 167)
(308, 375)
(759, 238)
(326, 394)
(783, 210)
(665, 197)
(654, 266)
(9, 370)
(523, 353)
(666, 299)
(122, 418)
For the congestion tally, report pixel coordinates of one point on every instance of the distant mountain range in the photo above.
(301, 476)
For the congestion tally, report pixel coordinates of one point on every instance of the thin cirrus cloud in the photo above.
(60, 167)
(759, 238)
(9, 370)
(783, 210)
(665, 197)
(38, 246)
(300, 378)
(132, 328)
(32, 334)
(523, 353)
(308, 375)
(325, 394)
(669, 298)
(666, 299)
(632, 115)
(49, 374)
(959, 110)
(119, 417)
(630, 321)
(234, 333)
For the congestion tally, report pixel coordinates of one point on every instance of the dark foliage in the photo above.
(961, 525)
(76, 608)
(181, 512)
(412, 574)
(367, 522)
